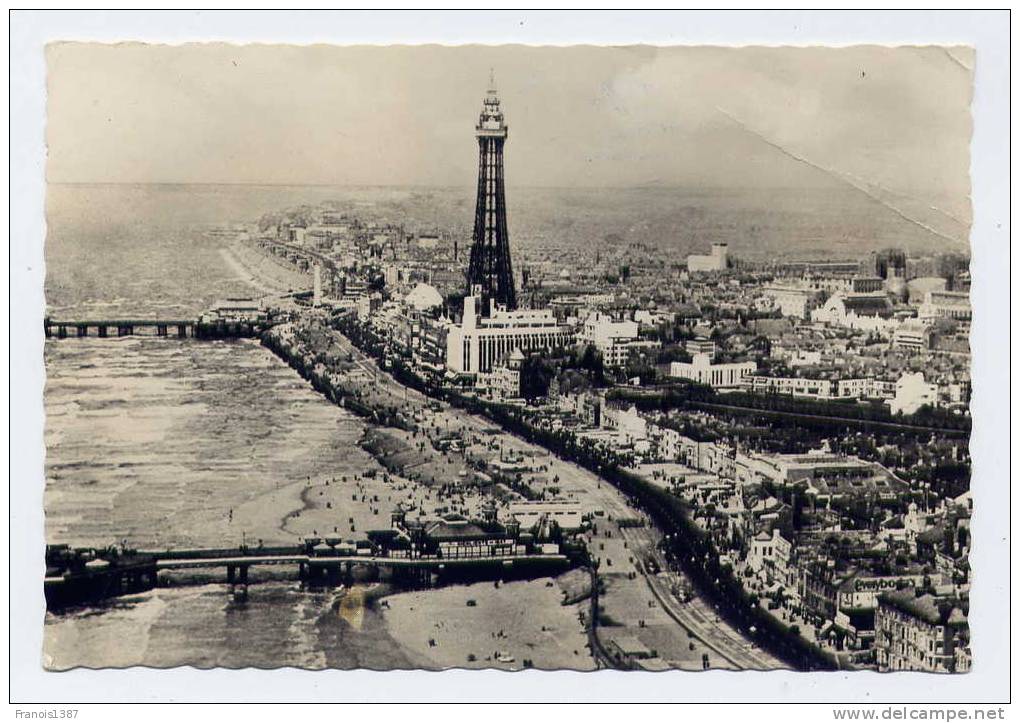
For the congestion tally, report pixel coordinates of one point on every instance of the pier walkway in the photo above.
(340, 566)
(379, 561)
(61, 329)
(175, 328)
(76, 577)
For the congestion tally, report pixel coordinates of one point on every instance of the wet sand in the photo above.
(280, 624)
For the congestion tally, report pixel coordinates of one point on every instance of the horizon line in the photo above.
(271, 184)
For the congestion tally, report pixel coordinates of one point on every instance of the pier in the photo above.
(166, 328)
(77, 577)
(104, 328)
(334, 569)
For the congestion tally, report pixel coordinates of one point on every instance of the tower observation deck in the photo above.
(489, 267)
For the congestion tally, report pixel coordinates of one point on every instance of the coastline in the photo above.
(242, 273)
(547, 633)
(630, 605)
(261, 272)
(353, 502)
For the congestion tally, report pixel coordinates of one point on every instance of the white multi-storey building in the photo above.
(769, 555)
(921, 632)
(702, 370)
(912, 392)
(793, 301)
(700, 345)
(717, 260)
(912, 336)
(480, 342)
(815, 388)
(504, 381)
(613, 339)
(954, 305)
(568, 515)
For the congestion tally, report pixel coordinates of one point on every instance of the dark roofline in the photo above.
(925, 607)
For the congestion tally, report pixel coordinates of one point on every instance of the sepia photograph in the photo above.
(507, 357)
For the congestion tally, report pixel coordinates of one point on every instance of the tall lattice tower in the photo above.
(490, 267)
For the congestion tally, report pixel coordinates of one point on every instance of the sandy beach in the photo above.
(490, 625)
(262, 272)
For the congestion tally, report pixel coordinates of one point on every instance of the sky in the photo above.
(894, 122)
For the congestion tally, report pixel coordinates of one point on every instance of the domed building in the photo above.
(918, 288)
(424, 297)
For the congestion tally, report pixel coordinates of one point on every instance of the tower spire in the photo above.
(489, 268)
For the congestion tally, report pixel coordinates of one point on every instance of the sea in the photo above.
(152, 442)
